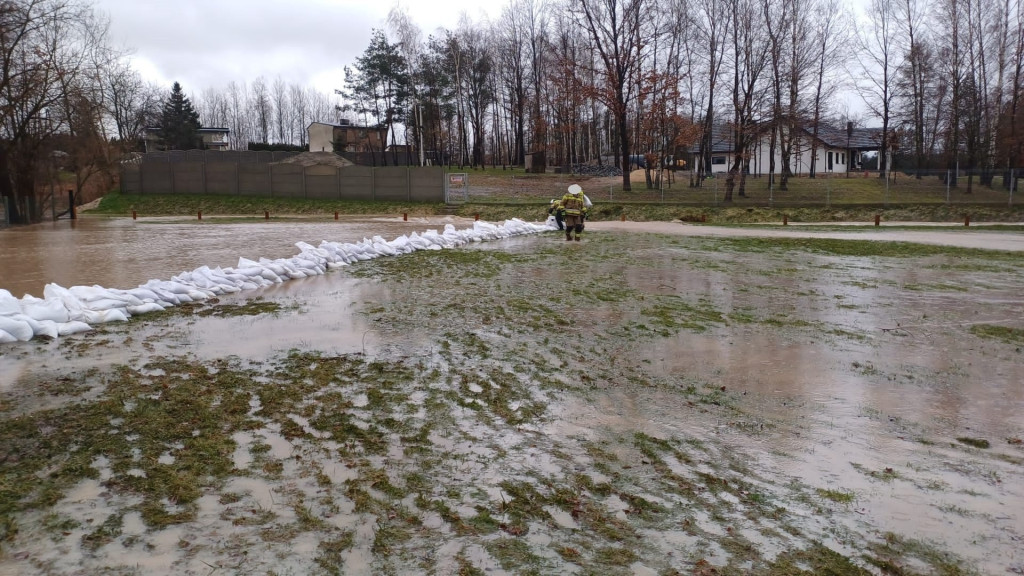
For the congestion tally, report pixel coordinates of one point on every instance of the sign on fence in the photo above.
(456, 187)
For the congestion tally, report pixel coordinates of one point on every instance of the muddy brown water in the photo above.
(123, 253)
(912, 377)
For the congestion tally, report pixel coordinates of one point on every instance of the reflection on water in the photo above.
(123, 253)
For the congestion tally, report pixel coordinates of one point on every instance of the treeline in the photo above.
(590, 80)
(566, 81)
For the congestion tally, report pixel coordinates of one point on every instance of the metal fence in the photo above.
(47, 206)
(933, 187)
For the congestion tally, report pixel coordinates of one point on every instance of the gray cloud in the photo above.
(210, 43)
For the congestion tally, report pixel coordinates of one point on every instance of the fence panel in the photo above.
(253, 174)
(356, 183)
(322, 182)
(391, 183)
(188, 177)
(286, 181)
(253, 179)
(221, 178)
(426, 184)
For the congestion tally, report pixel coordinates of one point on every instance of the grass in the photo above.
(116, 204)
(840, 496)
(975, 442)
(859, 248)
(684, 204)
(1004, 333)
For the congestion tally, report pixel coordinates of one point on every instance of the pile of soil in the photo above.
(316, 159)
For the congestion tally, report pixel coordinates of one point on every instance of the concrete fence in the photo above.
(392, 183)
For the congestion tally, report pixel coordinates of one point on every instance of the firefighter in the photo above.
(575, 210)
(556, 210)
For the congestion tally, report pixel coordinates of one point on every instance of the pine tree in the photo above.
(179, 122)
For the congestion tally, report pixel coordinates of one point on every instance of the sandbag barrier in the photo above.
(64, 311)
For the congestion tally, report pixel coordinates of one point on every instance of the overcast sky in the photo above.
(208, 43)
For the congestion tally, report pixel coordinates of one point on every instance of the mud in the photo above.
(716, 405)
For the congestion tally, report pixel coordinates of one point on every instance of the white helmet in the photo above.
(552, 200)
(575, 189)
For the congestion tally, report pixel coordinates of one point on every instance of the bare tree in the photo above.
(410, 45)
(614, 27)
(279, 103)
(878, 65)
(831, 26)
(512, 55)
(259, 103)
(45, 49)
(750, 52)
(713, 28)
(299, 114)
(131, 103)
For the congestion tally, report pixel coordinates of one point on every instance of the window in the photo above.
(720, 160)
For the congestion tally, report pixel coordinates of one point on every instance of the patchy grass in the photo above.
(1004, 333)
(840, 496)
(975, 442)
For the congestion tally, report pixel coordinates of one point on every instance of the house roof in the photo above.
(860, 138)
(198, 131)
(339, 125)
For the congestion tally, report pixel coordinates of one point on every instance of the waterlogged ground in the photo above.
(631, 404)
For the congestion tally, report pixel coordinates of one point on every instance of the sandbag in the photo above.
(145, 308)
(52, 309)
(8, 303)
(48, 328)
(73, 327)
(19, 329)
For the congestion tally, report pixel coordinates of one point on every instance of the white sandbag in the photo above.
(91, 295)
(198, 295)
(6, 338)
(270, 276)
(145, 294)
(104, 316)
(73, 327)
(47, 328)
(105, 304)
(8, 303)
(145, 308)
(32, 322)
(18, 329)
(41, 309)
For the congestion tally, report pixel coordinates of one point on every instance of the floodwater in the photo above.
(123, 253)
(877, 414)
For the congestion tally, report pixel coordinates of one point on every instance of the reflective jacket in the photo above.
(573, 204)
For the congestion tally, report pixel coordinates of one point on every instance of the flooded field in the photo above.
(642, 402)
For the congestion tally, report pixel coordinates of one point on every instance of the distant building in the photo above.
(209, 139)
(350, 138)
(835, 150)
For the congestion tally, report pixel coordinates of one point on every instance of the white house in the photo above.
(836, 151)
